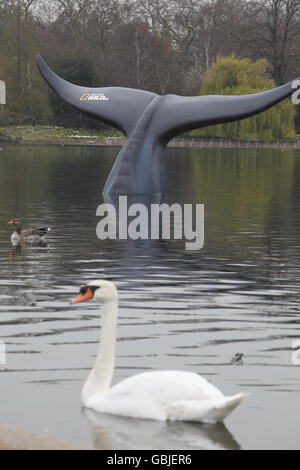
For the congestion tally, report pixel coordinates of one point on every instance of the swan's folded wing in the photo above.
(211, 410)
(115, 106)
(180, 114)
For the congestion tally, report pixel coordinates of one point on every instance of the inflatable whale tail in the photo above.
(149, 121)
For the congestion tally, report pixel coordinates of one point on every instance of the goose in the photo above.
(158, 395)
(29, 235)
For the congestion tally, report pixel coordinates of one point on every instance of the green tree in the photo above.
(233, 76)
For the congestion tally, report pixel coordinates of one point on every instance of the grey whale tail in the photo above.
(150, 121)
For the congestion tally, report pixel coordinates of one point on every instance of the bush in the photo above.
(233, 76)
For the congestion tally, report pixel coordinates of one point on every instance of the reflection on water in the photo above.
(178, 309)
(116, 432)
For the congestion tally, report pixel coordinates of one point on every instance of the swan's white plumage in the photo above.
(160, 395)
(154, 392)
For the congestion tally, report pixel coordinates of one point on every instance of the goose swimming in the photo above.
(28, 235)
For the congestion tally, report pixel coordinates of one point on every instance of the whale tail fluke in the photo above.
(149, 121)
(115, 106)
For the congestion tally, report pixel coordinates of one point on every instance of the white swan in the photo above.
(161, 395)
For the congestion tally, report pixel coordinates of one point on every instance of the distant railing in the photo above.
(114, 141)
(184, 142)
(217, 143)
(233, 143)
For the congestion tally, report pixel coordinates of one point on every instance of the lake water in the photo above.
(178, 310)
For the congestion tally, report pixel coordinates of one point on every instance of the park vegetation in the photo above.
(186, 47)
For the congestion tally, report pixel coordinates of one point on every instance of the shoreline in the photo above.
(43, 135)
(176, 143)
(13, 438)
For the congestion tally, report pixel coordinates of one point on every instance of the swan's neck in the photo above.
(101, 375)
(105, 362)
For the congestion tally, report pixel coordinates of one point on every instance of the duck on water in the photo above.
(28, 235)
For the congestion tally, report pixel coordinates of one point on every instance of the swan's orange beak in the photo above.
(11, 222)
(83, 297)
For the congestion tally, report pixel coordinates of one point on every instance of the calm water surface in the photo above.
(178, 310)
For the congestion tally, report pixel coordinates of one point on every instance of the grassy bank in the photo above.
(55, 135)
(32, 133)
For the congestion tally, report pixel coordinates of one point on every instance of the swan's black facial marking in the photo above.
(84, 289)
(85, 293)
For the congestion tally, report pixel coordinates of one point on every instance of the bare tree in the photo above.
(273, 32)
(18, 36)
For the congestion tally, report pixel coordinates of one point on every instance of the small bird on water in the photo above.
(28, 235)
(237, 359)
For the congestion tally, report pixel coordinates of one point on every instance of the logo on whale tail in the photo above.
(93, 97)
